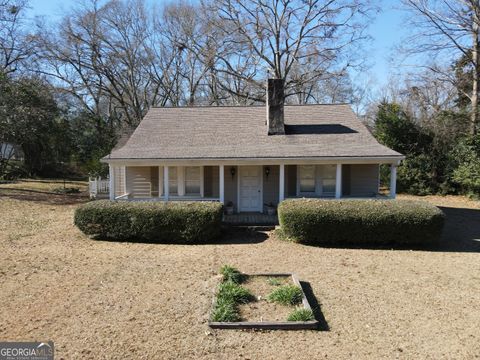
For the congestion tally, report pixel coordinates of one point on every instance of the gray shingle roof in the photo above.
(316, 131)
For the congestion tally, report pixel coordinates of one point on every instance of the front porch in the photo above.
(248, 188)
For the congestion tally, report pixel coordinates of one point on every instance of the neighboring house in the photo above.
(250, 156)
(11, 152)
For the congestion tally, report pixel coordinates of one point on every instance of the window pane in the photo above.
(192, 180)
(328, 186)
(192, 173)
(307, 179)
(307, 185)
(172, 180)
(192, 188)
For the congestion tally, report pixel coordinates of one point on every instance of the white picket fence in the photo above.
(98, 187)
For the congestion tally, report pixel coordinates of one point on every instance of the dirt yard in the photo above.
(106, 300)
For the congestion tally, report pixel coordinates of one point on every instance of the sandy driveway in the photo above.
(101, 300)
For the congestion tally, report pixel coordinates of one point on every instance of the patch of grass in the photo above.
(301, 315)
(286, 295)
(229, 291)
(274, 281)
(44, 185)
(225, 311)
(229, 295)
(232, 274)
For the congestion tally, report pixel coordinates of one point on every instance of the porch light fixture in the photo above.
(232, 171)
(267, 171)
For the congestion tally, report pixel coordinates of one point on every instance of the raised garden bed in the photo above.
(261, 301)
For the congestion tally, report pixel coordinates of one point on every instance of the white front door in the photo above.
(250, 188)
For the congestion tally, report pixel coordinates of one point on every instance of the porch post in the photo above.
(181, 180)
(338, 182)
(124, 175)
(222, 183)
(111, 185)
(161, 189)
(393, 181)
(202, 182)
(166, 190)
(281, 186)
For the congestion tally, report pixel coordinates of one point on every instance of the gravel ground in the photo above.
(106, 300)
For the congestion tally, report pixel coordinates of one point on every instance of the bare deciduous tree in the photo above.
(302, 42)
(448, 29)
(14, 44)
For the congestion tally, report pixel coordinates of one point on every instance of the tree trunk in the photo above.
(476, 68)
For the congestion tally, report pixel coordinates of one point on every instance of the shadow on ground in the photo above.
(229, 236)
(316, 308)
(45, 197)
(242, 235)
(461, 232)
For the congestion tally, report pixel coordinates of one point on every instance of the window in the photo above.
(172, 181)
(307, 178)
(328, 180)
(192, 180)
(328, 187)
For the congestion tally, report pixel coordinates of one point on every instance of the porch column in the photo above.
(338, 182)
(222, 183)
(166, 189)
(124, 175)
(393, 181)
(202, 182)
(281, 186)
(160, 181)
(181, 180)
(111, 185)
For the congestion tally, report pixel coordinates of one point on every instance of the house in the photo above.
(250, 156)
(11, 151)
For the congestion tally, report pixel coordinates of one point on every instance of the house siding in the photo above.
(364, 180)
(139, 181)
(271, 185)
(119, 177)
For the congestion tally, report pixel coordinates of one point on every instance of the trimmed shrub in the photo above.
(184, 222)
(355, 222)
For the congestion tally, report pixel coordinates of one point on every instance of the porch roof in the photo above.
(209, 133)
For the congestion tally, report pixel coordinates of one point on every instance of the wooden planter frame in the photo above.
(272, 325)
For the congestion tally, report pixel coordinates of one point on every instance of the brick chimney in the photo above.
(275, 99)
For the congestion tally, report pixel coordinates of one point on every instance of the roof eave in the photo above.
(380, 159)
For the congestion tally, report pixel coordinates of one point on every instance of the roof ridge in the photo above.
(244, 106)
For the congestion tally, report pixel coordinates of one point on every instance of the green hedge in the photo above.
(355, 222)
(184, 222)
